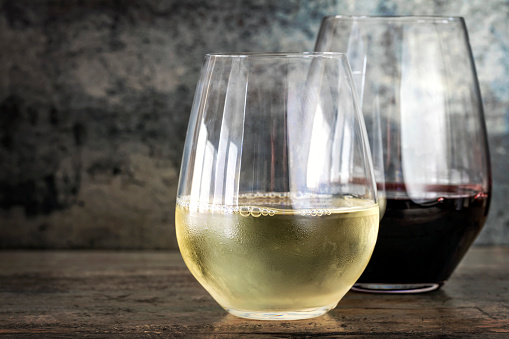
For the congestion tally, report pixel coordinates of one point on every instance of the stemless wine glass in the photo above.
(277, 213)
(417, 74)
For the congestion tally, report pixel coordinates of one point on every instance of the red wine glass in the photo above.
(417, 76)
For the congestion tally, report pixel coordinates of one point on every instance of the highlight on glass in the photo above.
(277, 213)
(416, 75)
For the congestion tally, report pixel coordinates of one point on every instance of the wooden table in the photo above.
(150, 294)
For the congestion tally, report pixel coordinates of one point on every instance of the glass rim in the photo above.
(328, 55)
(398, 18)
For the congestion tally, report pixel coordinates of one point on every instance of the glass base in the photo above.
(283, 315)
(395, 288)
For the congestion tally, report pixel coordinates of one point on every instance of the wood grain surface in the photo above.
(152, 294)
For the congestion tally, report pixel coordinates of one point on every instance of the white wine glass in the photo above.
(277, 212)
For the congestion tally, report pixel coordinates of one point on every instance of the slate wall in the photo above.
(95, 96)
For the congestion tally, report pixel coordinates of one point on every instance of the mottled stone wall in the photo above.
(95, 97)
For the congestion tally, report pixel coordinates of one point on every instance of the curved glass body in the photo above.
(416, 76)
(277, 214)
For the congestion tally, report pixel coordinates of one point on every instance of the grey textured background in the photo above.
(95, 96)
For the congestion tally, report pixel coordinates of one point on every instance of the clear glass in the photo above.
(417, 76)
(277, 212)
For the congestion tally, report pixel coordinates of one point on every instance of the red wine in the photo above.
(423, 240)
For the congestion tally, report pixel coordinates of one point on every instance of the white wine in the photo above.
(264, 256)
